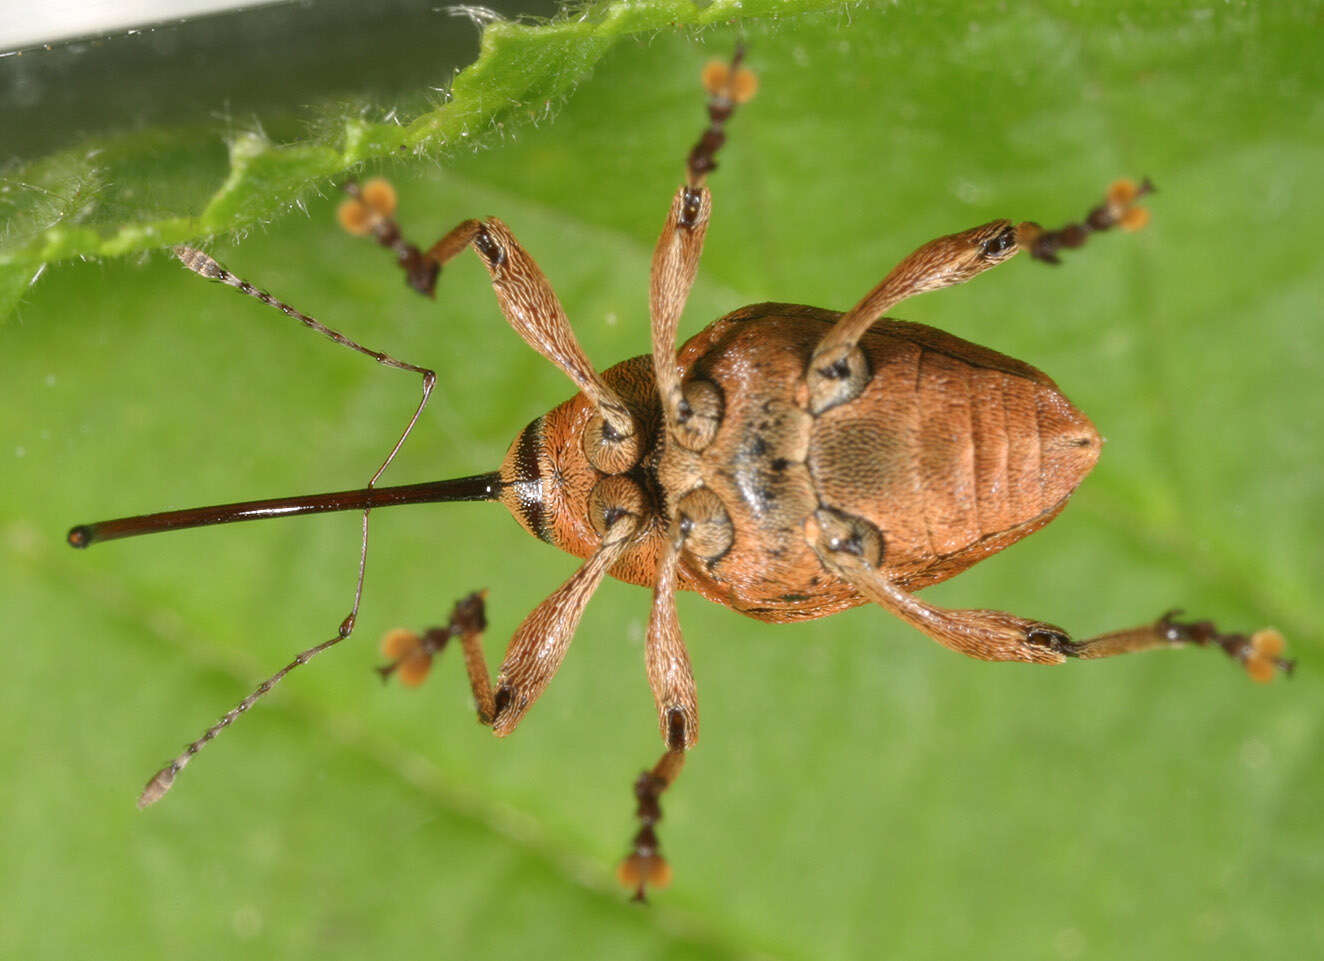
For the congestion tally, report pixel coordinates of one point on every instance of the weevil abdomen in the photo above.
(953, 452)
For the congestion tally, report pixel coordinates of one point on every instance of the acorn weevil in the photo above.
(788, 462)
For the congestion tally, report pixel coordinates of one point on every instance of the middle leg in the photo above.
(644, 866)
(676, 258)
(690, 419)
(838, 372)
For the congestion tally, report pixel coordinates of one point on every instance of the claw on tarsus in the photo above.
(1259, 653)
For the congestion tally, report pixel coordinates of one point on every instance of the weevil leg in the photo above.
(368, 213)
(644, 866)
(689, 421)
(672, 683)
(670, 675)
(1117, 210)
(675, 263)
(540, 643)
(852, 549)
(838, 372)
(205, 266)
(676, 258)
(525, 296)
(537, 648)
(728, 85)
(411, 654)
(1260, 653)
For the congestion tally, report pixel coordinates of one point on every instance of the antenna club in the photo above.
(198, 262)
(156, 788)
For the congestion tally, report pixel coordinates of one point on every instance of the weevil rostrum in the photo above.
(788, 462)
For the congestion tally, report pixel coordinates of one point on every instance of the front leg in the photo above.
(540, 643)
(852, 549)
(525, 296)
(411, 655)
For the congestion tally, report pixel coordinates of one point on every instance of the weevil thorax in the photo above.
(950, 453)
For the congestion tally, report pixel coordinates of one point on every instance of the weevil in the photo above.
(788, 462)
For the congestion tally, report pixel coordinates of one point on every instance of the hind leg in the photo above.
(851, 547)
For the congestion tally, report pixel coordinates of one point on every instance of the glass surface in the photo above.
(261, 65)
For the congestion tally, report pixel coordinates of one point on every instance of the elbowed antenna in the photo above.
(481, 487)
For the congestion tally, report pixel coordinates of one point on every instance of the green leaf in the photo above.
(857, 791)
(107, 197)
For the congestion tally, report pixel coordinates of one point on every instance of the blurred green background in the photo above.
(858, 791)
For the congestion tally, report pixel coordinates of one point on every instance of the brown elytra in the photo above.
(787, 462)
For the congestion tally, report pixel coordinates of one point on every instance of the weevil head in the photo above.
(544, 481)
(547, 479)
